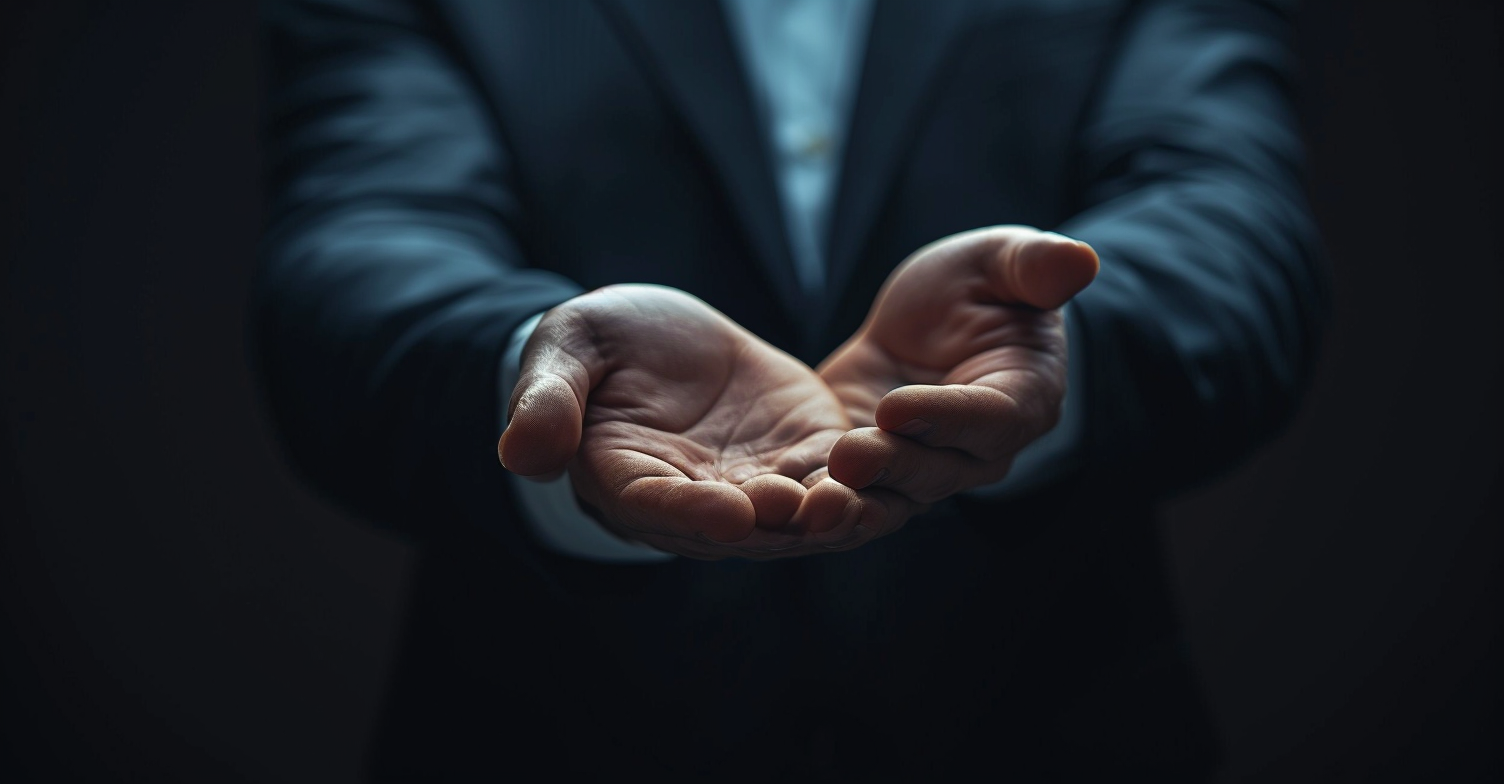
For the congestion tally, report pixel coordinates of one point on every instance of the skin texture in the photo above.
(960, 363)
(683, 430)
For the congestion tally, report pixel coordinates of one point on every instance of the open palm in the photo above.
(960, 363)
(682, 429)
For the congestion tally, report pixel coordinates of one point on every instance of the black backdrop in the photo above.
(177, 608)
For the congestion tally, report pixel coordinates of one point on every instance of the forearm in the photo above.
(1201, 329)
(378, 337)
(390, 275)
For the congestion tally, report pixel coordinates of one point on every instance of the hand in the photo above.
(960, 363)
(681, 429)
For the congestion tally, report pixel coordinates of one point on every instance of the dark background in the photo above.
(176, 607)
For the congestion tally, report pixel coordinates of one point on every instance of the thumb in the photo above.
(548, 404)
(1038, 268)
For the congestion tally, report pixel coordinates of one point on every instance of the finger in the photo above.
(869, 457)
(713, 511)
(982, 420)
(698, 550)
(874, 509)
(765, 545)
(559, 368)
(809, 455)
(885, 511)
(774, 498)
(1037, 268)
(842, 518)
(859, 517)
(544, 431)
(823, 472)
(827, 506)
(761, 545)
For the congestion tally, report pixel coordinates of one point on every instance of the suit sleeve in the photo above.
(392, 272)
(1200, 332)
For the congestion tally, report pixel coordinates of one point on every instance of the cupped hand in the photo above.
(681, 429)
(960, 363)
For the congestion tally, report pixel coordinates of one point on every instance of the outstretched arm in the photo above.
(391, 276)
(1197, 334)
(392, 279)
(1202, 328)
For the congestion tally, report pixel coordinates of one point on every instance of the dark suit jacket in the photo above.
(440, 171)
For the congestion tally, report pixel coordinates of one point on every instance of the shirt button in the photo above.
(815, 145)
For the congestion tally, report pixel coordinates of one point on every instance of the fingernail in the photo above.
(914, 428)
(882, 473)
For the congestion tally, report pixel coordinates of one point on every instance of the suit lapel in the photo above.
(906, 47)
(689, 46)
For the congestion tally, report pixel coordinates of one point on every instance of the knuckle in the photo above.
(1009, 422)
(1005, 407)
(947, 487)
(935, 486)
(901, 472)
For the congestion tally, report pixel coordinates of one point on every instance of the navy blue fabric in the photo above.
(440, 171)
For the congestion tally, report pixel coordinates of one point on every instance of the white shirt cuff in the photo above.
(549, 508)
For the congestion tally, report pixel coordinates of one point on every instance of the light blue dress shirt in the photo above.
(803, 58)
